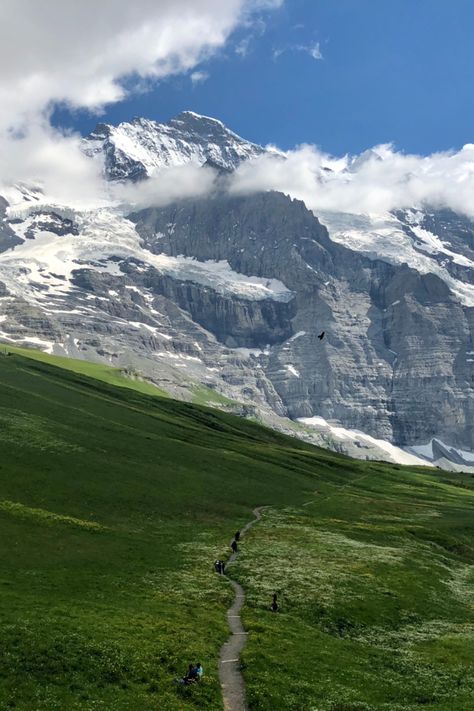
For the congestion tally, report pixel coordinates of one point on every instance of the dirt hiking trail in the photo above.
(232, 682)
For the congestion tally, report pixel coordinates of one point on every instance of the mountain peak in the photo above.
(137, 149)
(193, 118)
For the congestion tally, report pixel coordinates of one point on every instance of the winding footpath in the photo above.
(230, 676)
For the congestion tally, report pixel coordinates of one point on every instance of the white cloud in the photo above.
(81, 53)
(256, 28)
(313, 50)
(49, 159)
(165, 186)
(377, 181)
(199, 77)
(242, 47)
(70, 51)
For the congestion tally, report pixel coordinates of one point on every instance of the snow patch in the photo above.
(140, 324)
(297, 335)
(391, 452)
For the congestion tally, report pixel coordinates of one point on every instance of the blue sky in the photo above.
(391, 71)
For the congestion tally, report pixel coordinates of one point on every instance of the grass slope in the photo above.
(113, 505)
(98, 371)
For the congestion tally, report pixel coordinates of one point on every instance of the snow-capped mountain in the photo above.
(224, 297)
(136, 150)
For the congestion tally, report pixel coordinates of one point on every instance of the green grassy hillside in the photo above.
(113, 505)
(98, 371)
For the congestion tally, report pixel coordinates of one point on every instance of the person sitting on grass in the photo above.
(199, 671)
(190, 678)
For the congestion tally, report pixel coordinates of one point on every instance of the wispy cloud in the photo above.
(199, 77)
(242, 47)
(256, 29)
(167, 185)
(313, 50)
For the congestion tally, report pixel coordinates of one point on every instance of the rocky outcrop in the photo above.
(232, 320)
(8, 237)
(50, 222)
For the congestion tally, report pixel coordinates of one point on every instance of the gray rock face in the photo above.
(234, 321)
(393, 362)
(8, 238)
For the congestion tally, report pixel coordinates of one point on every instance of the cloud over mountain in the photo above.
(63, 52)
(378, 180)
(87, 56)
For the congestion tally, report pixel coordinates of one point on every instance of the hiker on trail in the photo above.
(219, 567)
(274, 605)
(234, 546)
(237, 536)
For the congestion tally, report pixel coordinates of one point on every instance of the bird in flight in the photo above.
(321, 335)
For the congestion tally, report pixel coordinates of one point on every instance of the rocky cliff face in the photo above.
(230, 293)
(393, 362)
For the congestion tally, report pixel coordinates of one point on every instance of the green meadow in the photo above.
(114, 502)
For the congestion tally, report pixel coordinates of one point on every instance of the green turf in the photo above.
(113, 505)
(375, 584)
(114, 376)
